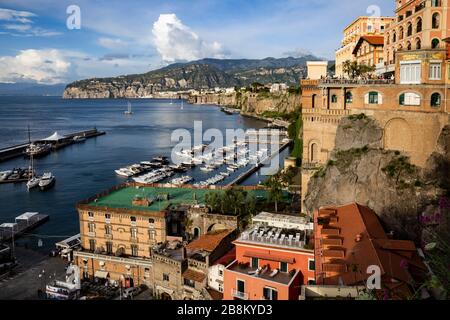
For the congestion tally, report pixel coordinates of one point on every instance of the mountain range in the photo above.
(200, 74)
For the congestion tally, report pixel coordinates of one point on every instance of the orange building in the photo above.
(273, 260)
(349, 240)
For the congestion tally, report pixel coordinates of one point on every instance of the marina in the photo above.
(44, 146)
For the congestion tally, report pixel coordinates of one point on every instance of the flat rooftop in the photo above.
(162, 197)
(280, 277)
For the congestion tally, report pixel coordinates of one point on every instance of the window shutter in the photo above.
(366, 98)
(380, 98)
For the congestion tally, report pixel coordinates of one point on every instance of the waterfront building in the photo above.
(349, 241)
(273, 259)
(134, 234)
(360, 27)
(410, 101)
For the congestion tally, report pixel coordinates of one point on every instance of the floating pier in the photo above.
(19, 150)
(23, 224)
(245, 175)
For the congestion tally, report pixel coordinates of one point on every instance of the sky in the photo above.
(59, 41)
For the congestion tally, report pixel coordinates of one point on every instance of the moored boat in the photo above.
(47, 181)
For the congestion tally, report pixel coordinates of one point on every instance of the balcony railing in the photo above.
(355, 81)
(326, 112)
(240, 295)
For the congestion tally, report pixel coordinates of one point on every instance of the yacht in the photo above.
(124, 172)
(47, 181)
(33, 183)
(78, 139)
(4, 175)
(207, 169)
(181, 180)
(38, 150)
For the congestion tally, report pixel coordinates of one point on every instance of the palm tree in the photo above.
(275, 186)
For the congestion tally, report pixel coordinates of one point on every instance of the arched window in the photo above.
(408, 45)
(409, 30)
(388, 38)
(418, 44)
(400, 33)
(434, 43)
(435, 100)
(435, 21)
(394, 37)
(314, 153)
(409, 99)
(313, 102)
(419, 25)
(348, 97)
(334, 98)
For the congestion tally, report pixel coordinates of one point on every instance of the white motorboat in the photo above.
(47, 181)
(79, 139)
(206, 169)
(124, 172)
(181, 180)
(128, 112)
(5, 174)
(33, 183)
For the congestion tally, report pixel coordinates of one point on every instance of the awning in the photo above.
(268, 257)
(101, 274)
(54, 137)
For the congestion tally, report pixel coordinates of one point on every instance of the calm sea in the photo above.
(84, 169)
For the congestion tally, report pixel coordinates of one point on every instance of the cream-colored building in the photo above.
(317, 69)
(362, 26)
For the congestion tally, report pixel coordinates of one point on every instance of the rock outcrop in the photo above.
(360, 171)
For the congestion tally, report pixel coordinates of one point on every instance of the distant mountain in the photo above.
(200, 74)
(31, 89)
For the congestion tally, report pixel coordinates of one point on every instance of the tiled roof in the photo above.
(363, 243)
(209, 242)
(215, 295)
(373, 40)
(194, 275)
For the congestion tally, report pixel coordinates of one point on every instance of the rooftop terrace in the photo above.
(161, 198)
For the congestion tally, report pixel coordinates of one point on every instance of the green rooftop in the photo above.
(123, 198)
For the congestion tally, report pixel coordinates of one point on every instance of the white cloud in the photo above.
(175, 41)
(48, 66)
(17, 16)
(112, 43)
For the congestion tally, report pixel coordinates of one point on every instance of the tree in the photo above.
(353, 69)
(275, 186)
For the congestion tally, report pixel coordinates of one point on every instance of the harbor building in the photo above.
(135, 234)
(273, 259)
(359, 28)
(349, 241)
(410, 104)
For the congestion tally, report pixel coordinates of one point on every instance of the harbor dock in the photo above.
(23, 224)
(19, 150)
(242, 177)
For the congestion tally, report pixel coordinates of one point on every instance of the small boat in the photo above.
(161, 159)
(47, 181)
(128, 112)
(182, 105)
(38, 150)
(5, 174)
(206, 169)
(33, 183)
(178, 168)
(79, 139)
(225, 174)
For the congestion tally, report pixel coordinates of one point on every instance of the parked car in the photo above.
(129, 293)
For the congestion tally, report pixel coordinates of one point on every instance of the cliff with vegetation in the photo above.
(361, 171)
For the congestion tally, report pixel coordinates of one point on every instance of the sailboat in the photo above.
(128, 112)
(33, 180)
(171, 101)
(182, 104)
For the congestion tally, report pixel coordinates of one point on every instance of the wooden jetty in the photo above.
(23, 224)
(19, 150)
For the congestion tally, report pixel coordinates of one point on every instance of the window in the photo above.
(435, 71)
(270, 294)
(151, 221)
(373, 97)
(90, 214)
(189, 283)
(394, 37)
(311, 282)
(109, 247)
(133, 233)
(220, 287)
(220, 273)
(409, 30)
(418, 44)
(435, 100)
(133, 219)
(240, 286)
(409, 99)
(284, 267)
(419, 25)
(410, 72)
(434, 43)
(108, 230)
(166, 277)
(435, 21)
(152, 234)
(311, 265)
(107, 216)
(334, 98)
(134, 250)
(314, 153)
(348, 97)
(92, 244)
(255, 263)
(91, 227)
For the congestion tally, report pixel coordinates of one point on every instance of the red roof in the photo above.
(376, 41)
(227, 258)
(209, 242)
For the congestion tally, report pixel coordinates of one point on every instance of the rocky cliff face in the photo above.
(251, 103)
(360, 171)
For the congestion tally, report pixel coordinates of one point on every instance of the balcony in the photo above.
(91, 234)
(283, 278)
(354, 82)
(240, 295)
(326, 112)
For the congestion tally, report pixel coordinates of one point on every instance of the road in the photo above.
(25, 281)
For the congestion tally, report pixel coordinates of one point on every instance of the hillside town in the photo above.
(161, 241)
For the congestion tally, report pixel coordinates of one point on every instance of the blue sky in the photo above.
(135, 36)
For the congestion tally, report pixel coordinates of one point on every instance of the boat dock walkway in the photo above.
(23, 224)
(245, 175)
(19, 150)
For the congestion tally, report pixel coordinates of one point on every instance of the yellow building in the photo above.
(362, 26)
(369, 50)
